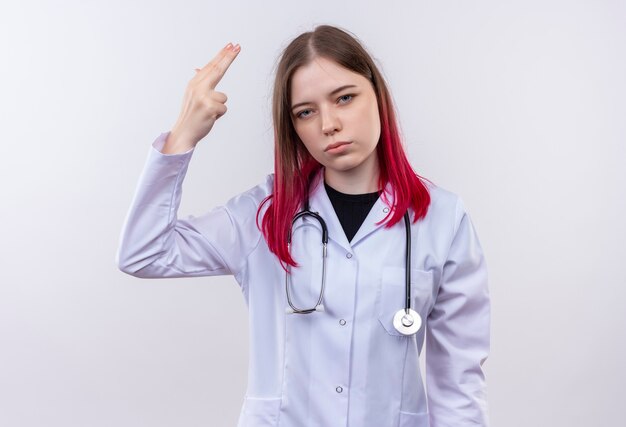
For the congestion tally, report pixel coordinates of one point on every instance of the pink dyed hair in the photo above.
(294, 167)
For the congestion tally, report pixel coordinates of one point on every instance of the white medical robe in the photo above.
(347, 365)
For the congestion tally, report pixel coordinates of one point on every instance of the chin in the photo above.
(342, 167)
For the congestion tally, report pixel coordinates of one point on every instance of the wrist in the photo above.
(177, 143)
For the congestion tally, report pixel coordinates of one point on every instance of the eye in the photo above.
(343, 97)
(301, 114)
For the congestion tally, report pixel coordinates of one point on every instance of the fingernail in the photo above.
(237, 47)
(229, 46)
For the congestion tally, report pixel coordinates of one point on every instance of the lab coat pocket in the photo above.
(409, 419)
(259, 412)
(392, 295)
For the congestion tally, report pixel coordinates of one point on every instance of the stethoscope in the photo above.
(406, 321)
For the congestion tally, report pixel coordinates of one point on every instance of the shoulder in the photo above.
(249, 200)
(446, 207)
(261, 190)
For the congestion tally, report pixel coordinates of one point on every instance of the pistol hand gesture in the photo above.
(202, 104)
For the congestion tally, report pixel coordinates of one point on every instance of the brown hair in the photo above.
(294, 166)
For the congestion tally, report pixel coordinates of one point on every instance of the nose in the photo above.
(330, 122)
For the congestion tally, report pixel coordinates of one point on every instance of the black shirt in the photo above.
(351, 209)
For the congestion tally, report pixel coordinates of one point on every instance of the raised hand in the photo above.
(202, 104)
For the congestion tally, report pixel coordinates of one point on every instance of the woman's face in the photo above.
(329, 105)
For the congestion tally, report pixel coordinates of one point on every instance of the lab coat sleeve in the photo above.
(457, 334)
(155, 243)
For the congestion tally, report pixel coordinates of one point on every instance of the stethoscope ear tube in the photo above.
(317, 217)
(318, 306)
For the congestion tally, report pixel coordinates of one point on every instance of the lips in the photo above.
(336, 144)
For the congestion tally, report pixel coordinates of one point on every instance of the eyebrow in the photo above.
(339, 89)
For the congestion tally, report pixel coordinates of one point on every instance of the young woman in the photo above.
(347, 259)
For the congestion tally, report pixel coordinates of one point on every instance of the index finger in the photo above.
(213, 72)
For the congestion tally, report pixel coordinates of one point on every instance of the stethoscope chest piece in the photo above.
(407, 323)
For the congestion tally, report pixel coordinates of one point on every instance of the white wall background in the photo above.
(518, 106)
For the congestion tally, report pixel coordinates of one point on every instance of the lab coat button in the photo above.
(339, 389)
(342, 322)
(386, 210)
(348, 255)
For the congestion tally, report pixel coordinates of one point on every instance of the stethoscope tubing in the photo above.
(318, 305)
(407, 303)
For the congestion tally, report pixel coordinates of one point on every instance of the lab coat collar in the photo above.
(320, 203)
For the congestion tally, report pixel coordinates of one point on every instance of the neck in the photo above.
(360, 180)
